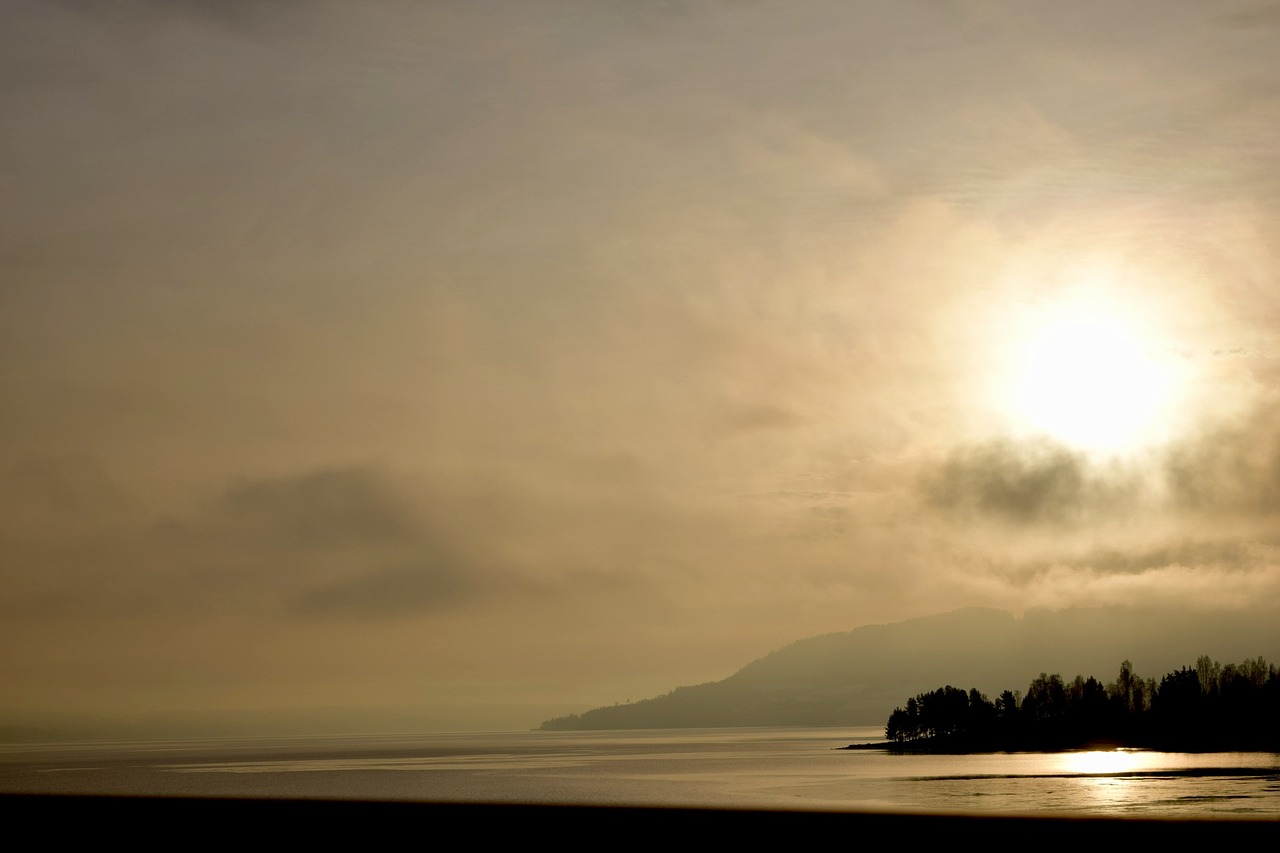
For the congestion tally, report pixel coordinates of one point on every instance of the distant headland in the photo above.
(857, 678)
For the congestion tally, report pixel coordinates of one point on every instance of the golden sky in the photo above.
(499, 360)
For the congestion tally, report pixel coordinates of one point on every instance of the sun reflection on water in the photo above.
(1108, 762)
(1110, 778)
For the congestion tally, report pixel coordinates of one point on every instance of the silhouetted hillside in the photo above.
(857, 677)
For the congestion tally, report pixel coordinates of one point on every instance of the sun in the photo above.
(1089, 369)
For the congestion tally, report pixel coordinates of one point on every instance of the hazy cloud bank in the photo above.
(464, 345)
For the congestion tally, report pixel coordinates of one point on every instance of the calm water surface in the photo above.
(730, 768)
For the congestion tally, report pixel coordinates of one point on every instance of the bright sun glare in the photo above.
(1086, 369)
(1108, 761)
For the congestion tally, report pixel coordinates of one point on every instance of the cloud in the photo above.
(1229, 470)
(343, 540)
(1029, 482)
(1206, 587)
(318, 509)
(435, 582)
(659, 340)
(1224, 555)
(325, 541)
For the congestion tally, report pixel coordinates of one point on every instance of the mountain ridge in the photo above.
(857, 677)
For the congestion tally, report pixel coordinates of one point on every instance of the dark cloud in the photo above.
(1112, 560)
(1229, 470)
(1191, 554)
(1026, 482)
(434, 583)
(333, 540)
(320, 509)
(341, 540)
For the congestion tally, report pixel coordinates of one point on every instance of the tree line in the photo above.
(1206, 708)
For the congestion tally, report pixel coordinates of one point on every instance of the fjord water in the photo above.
(771, 768)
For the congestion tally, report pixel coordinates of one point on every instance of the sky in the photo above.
(485, 362)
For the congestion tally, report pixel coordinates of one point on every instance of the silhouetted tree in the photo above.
(1210, 707)
(1208, 671)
